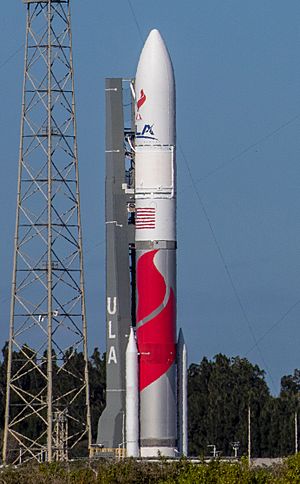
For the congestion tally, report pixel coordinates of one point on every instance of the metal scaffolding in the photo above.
(47, 401)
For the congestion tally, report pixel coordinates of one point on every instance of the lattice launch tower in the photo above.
(47, 401)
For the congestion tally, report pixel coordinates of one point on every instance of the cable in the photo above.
(136, 21)
(249, 148)
(229, 275)
(11, 56)
(282, 318)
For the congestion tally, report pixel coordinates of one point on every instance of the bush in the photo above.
(130, 471)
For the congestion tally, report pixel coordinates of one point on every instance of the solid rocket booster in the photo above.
(182, 367)
(132, 398)
(155, 192)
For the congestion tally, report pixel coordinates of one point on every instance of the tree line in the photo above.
(220, 391)
(219, 395)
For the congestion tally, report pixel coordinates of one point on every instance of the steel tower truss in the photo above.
(47, 374)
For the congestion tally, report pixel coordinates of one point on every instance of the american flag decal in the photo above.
(145, 218)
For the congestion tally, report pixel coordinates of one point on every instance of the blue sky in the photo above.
(237, 67)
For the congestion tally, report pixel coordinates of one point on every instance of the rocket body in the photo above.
(155, 196)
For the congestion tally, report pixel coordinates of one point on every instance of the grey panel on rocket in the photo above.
(118, 236)
(155, 244)
(159, 427)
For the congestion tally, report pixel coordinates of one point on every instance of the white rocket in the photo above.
(155, 241)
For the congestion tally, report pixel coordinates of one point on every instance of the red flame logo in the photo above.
(142, 99)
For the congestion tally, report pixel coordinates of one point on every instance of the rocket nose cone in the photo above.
(154, 55)
(131, 346)
(155, 92)
(181, 338)
(154, 41)
(154, 35)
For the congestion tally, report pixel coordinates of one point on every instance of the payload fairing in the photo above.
(156, 407)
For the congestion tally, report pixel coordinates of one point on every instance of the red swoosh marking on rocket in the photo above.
(156, 343)
(156, 338)
(150, 284)
(142, 99)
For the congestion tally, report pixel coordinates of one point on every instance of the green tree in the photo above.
(220, 392)
(97, 378)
